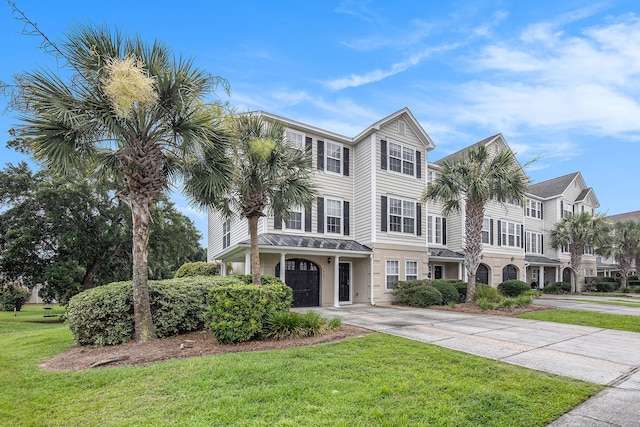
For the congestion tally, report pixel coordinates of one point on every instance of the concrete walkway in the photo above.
(596, 355)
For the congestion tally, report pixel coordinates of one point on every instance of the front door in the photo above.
(344, 282)
(437, 271)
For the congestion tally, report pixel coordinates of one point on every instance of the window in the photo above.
(296, 138)
(534, 209)
(226, 234)
(334, 216)
(567, 210)
(401, 127)
(411, 270)
(511, 234)
(588, 250)
(534, 242)
(436, 229)
(295, 219)
(401, 159)
(486, 231)
(334, 156)
(393, 273)
(402, 215)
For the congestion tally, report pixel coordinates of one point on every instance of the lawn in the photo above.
(587, 318)
(372, 380)
(621, 303)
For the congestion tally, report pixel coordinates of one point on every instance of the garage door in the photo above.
(303, 276)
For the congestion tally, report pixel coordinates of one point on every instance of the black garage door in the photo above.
(303, 277)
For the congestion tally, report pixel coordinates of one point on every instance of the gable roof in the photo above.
(553, 187)
(455, 156)
(635, 215)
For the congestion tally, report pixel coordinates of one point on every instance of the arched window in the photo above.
(509, 272)
(482, 274)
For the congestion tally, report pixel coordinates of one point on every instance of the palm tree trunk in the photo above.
(144, 329)
(255, 251)
(474, 217)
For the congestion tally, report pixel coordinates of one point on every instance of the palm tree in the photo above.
(474, 179)
(270, 174)
(624, 246)
(130, 110)
(577, 232)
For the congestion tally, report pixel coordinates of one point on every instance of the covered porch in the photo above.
(541, 271)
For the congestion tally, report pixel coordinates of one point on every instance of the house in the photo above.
(366, 229)
(607, 266)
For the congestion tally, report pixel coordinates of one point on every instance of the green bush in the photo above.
(13, 297)
(633, 283)
(191, 269)
(104, 315)
(635, 289)
(238, 312)
(461, 287)
(557, 288)
(606, 286)
(448, 291)
(513, 288)
(486, 292)
(283, 324)
(417, 294)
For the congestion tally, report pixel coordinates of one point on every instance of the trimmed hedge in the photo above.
(461, 287)
(449, 292)
(191, 269)
(417, 293)
(606, 286)
(557, 288)
(513, 288)
(239, 312)
(104, 315)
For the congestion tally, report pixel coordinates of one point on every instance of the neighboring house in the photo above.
(607, 266)
(367, 229)
(547, 203)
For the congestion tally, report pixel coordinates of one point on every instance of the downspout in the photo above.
(371, 277)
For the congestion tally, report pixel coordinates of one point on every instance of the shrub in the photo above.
(557, 288)
(104, 315)
(635, 289)
(191, 269)
(513, 288)
(486, 292)
(238, 312)
(282, 324)
(418, 295)
(334, 323)
(633, 283)
(461, 287)
(264, 279)
(606, 286)
(312, 324)
(13, 297)
(448, 291)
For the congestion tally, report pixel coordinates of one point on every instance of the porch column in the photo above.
(371, 278)
(223, 268)
(557, 269)
(460, 271)
(336, 281)
(282, 267)
(541, 278)
(247, 262)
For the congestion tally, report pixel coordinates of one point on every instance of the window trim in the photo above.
(226, 233)
(326, 215)
(301, 145)
(530, 211)
(517, 235)
(386, 273)
(402, 215)
(327, 157)
(295, 209)
(432, 229)
(406, 269)
(402, 160)
(529, 238)
(488, 231)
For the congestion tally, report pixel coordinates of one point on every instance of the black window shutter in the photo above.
(320, 155)
(383, 154)
(542, 244)
(541, 210)
(277, 222)
(418, 219)
(491, 232)
(444, 231)
(499, 233)
(383, 213)
(345, 168)
(320, 215)
(522, 236)
(307, 217)
(345, 215)
(418, 164)
(526, 245)
(308, 145)
(561, 208)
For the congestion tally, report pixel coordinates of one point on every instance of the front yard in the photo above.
(372, 380)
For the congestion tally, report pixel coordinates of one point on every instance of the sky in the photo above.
(559, 79)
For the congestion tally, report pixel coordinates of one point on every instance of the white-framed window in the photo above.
(435, 229)
(565, 249)
(297, 138)
(410, 270)
(226, 233)
(402, 159)
(534, 274)
(296, 219)
(534, 209)
(333, 157)
(511, 234)
(534, 242)
(588, 250)
(333, 216)
(402, 215)
(392, 273)
(486, 230)
(567, 209)
(588, 272)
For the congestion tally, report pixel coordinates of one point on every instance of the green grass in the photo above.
(373, 380)
(622, 303)
(587, 318)
(610, 294)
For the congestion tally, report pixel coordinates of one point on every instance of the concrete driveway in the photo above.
(592, 354)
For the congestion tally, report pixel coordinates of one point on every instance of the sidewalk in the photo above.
(596, 355)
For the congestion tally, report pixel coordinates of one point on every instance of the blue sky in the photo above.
(559, 79)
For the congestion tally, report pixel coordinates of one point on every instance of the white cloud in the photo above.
(192, 212)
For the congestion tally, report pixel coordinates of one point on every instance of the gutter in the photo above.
(371, 278)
